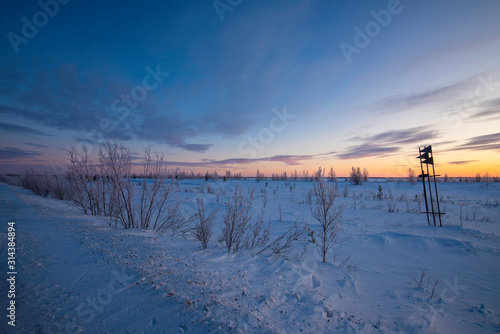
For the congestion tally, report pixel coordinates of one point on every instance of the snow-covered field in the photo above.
(78, 275)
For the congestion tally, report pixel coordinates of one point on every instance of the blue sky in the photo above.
(246, 85)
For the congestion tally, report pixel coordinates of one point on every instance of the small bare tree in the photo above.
(411, 176)
(258, 234)
(81, 173)
(158, 205)
(332, 175)
(327, 213)
(356, 176)
(236, 219)
(203, 223)
(117, 163)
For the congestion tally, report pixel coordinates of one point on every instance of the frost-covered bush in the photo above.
(391, 205)
(203, 222)
(40, 184)
(327, 213)
(236, 218)
(239, 231)
(108, 188)
(356, 176)
(412, 176)
(282, 244)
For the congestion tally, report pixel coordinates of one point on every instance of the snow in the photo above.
(78, 275)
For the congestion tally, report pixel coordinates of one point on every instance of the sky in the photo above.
(245, 85)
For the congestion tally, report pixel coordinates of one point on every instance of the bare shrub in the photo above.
(81, 173)
(14, 180)
(236, 219)
(116, 161)
(390, 194)
(354, 201)
(60, 187)
(412, 177)
(158, 204)
(108, 188)
(356, 176)
(461, 205)
(281, 246)
(391, 205)
(327, 213)
(258, 235)
(39, 184)
(421, 281)
(332, 175)
(275, 191)
(409, 206)
(56, 186)
(203, 223)
(347, 263)
(418, 200)
(436, 282)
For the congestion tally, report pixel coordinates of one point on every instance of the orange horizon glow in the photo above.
(341, 170)
(465, 164)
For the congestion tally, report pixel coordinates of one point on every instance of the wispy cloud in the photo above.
(451, 93)
(463, 162)
(195, 147)
(387, 142)
(398, 103)
(8, 127)
(367, 150)
(290, 160)
(487, 110)
(36, 145)
(11, 153)
(481, 143)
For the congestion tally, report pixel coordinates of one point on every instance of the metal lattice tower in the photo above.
(431, 195)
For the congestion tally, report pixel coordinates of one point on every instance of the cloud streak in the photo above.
(8, 127)
(473, 87)
(481, 143)
(12, 153)
(386, 143)
(462, 162)
(290, 160)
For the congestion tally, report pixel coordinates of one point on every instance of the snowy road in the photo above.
(67, 280)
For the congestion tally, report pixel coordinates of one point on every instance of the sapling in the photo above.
(327, 213)
(203, 222)
(236, 218)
